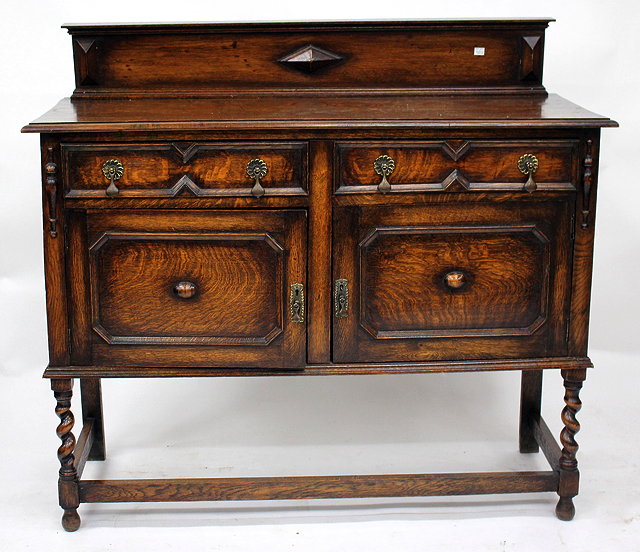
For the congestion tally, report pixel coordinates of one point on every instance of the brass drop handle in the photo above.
(528, 164)
(455, 279)
(112, 170)
(184, 289)
(257, 169)
(384, 166)
(296, 303)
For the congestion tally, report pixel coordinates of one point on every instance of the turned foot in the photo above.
(565, 510)
(71, 520)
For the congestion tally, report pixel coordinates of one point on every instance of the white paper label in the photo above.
(478, 51)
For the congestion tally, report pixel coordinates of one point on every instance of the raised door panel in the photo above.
(195, 288)
(446, 281)
(180, 288)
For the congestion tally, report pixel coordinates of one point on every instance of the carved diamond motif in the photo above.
(531, 58)
(455, 182)
(185, 185)
(185, 151)
(310, 58)
(456, 148)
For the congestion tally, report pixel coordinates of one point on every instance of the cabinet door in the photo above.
(446, 281)
(192, 288)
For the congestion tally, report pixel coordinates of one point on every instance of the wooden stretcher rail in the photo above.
(83, 446)
(547, 443)
(315, 487)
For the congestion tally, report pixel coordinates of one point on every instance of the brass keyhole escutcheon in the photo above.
(296, 302)
(527, 165)
(112, 171)
(185, 289)
(384, 166)
(257, 169)
(341, 298)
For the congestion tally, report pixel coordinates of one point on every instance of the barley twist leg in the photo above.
(569, 474)
(68, 476)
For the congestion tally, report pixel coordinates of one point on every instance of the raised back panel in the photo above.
(206, 58)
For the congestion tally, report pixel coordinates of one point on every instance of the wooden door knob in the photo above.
(184, 290)
(455, 279)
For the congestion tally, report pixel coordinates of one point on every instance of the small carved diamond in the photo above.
(310, 58)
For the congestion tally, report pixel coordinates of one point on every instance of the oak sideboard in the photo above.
(317, 198)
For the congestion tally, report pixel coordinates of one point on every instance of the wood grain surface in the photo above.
(253, 112)
(182, 272)
(370, 56)
(341, 486)
(241, 263)
(193, 169)
(478, 165)
(514, 256)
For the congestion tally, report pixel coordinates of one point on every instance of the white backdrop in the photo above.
(324, 425)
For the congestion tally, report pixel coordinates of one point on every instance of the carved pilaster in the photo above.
(587, 182)
(51, 189)
(68, 480)
(569, 475)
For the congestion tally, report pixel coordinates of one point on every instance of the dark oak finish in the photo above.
(242, 264)
(458, 165)
(421, 110)
(336, 486)
(68, 474)
(191, 168)
(514, 257)
(91, 392)
(116, 59)
(320, 198)
(569, 475)
(332, 369)
(530, 401)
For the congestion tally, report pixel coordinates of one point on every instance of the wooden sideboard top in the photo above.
(420, 74)
(221, 26)
(308, 111)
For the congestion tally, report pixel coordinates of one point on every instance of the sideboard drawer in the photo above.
(202, 169)
(189, 288)
(454, 165)
(452, 281)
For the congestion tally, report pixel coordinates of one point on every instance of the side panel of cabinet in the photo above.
(189, 288)
(453, 280)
